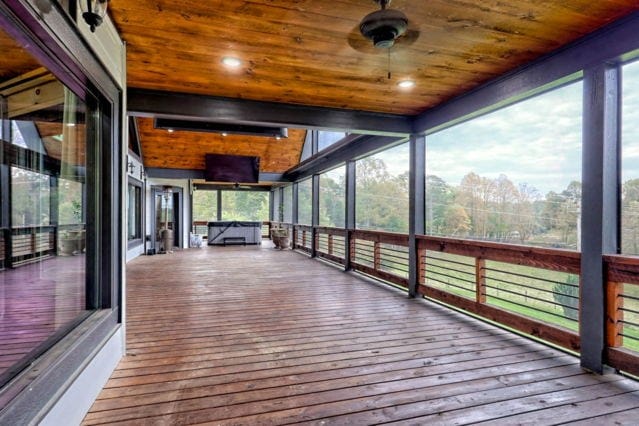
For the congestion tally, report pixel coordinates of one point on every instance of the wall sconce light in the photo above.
(93, 12)
(131, 166)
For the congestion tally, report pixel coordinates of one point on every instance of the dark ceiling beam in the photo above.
(160, 173)
(611, 43)
(183, 106)
(351, 147)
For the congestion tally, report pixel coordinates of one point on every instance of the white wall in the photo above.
(78, 398)
(186, 212)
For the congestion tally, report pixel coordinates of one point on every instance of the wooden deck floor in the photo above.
(251, 335)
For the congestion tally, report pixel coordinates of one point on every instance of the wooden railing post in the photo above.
(614, 314)
(377, 256)
(480, 280)
(304, 238)
(421, 262)
(352, 254)
(348, 249)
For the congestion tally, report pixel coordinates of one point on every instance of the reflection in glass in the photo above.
(134, 212)
(43, 239)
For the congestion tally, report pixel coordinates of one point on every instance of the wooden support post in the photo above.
(304, 238)
(614, 314)
(351, 252)
(480, 280)
(330, 243)
(377, 256)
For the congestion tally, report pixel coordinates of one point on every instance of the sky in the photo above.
(536, 141)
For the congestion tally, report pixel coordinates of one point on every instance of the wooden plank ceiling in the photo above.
(310, 51)
(186, 150)
(15, 60)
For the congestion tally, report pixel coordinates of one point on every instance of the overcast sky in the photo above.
(537, 141)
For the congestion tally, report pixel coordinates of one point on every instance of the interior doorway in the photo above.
(166, 226)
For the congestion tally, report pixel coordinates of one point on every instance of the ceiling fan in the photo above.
(385, 28)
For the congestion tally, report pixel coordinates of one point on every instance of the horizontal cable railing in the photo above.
(200, 227)
(622, 312)
(383, 255)
(330, 244)
(303, 238)
(31, 243)
(534, 290)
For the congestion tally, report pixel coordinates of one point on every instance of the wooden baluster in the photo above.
(421, 270)
(304, 238)
(480, 280)
(614, 314)
(351, 254)
(377, 256)
(330, 243)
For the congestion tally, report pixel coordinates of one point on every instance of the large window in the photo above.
(276, 208)
(134, 212)
(204, 206)
(287, 204)
(513, 175)
(382, 190)
(305, 202)
(332, 198)
(245, 205)
(630, 160)
(43, 277)
(326, 139)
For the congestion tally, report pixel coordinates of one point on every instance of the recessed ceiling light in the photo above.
(406, 84)
(231, 62)
(225, 134)
(70, 124)
(171, 130)
(278, 137)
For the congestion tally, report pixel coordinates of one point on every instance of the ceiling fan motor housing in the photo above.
(383, 27)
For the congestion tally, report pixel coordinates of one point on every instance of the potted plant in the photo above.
(280, 238)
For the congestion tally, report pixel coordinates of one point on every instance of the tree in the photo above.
(525, 217)
(566, 295)
(439, 197)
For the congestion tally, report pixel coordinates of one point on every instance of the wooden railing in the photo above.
(302, 238)
(330, 244)
(29, 244)
(200, 227)
(382, 255)
(3, 247)
(533, 290)
(622, 312)
(530, 289)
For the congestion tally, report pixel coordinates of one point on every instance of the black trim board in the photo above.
(184, 106)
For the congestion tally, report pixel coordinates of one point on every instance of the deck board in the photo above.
(252, 335)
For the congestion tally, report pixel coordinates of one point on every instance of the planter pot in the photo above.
(67, 246)
(284, 243)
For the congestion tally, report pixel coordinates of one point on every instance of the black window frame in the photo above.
(56, 42)
(139, 209)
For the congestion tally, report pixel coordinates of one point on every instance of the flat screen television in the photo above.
(232, 168)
